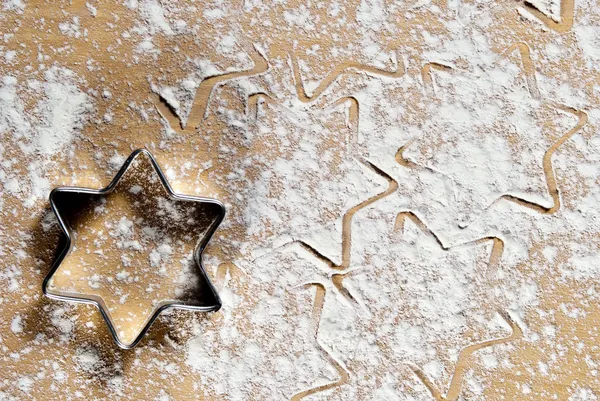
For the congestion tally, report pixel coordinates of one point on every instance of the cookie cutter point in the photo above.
(97, 300)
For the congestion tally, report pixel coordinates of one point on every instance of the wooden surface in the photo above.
(105, 59)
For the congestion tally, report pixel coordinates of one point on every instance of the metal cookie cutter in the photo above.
(214, 305)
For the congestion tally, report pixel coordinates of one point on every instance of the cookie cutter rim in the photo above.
(97, 300)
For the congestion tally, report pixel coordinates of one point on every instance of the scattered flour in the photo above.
(13, 5)
(17, 324)
(52, 126)
(410, 293)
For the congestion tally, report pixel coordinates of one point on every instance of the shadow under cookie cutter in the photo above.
(97, 300)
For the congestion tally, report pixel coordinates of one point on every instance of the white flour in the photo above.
(474, 94)
(53, 124)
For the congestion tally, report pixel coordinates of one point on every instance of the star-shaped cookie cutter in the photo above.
(97, 300)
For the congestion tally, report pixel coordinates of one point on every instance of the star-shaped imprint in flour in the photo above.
(492, 134)
(134, 248)
(425, 309)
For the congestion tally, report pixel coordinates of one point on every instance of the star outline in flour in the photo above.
(97, 300)
(339, 270)
(529, 71)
